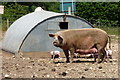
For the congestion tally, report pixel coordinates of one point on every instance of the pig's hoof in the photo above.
(67, 61)
(99, 62)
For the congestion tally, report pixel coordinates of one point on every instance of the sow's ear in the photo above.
(51, 35)
(60, 39)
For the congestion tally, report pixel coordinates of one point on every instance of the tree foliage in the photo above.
(15, 10)
(105, 12)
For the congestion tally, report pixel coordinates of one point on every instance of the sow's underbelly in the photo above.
(83, 47)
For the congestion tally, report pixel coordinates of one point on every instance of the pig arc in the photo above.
(73, 39)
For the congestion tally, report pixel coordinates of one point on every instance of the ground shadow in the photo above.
(78, 61)
(58, 62)
(75, 61)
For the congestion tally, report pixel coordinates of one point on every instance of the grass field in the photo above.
(111, 30)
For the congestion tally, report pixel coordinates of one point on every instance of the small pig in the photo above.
(87, 51)
(93, 52)
(76, 55)
(109, 53)
(55, 54)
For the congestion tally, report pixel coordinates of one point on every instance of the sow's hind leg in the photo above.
(103, 55)
(99, 52)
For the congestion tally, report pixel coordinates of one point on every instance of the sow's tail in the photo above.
(109, 41)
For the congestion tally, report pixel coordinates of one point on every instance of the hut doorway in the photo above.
(63, 25)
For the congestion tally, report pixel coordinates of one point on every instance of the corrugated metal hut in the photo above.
(30, 32)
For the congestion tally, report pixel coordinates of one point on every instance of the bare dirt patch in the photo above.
(39, 65)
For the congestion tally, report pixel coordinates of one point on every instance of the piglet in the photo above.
(93, 52)
(87, 51)
(55, 54)
(109, 53)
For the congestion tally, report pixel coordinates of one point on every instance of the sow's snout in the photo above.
(56, 43)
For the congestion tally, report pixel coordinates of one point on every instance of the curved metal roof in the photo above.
(19, 30)
(21, 27)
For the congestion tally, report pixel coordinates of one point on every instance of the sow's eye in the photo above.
(51, 35)
(60, 39)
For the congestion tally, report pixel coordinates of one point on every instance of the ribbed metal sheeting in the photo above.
(29, 32)
(21, 27)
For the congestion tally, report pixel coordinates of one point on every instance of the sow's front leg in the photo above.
(67, 55)
(72, 51)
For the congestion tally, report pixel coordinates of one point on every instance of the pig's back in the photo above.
(76, 33)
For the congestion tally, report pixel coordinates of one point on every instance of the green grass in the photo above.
(4, 26)
(111, 30)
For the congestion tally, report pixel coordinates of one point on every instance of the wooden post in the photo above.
(7, 23)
